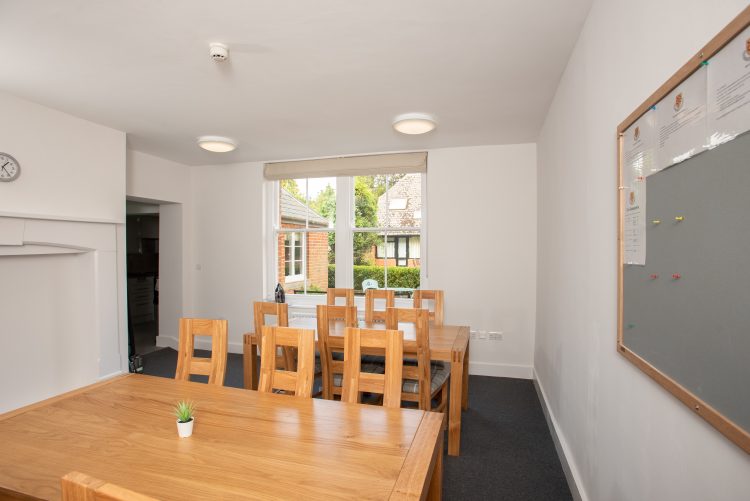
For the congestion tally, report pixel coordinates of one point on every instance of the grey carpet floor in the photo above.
(507, 452)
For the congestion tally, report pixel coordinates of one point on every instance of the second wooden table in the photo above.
(449, 343)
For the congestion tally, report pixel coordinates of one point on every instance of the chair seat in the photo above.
(365, 367)
(439, 372)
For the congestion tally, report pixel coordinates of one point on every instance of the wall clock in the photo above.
(10, 169)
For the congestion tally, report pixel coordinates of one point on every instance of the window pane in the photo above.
(404, 205)
(291, 260)
(367, 189)
(403, 263)
(293, 203)
(307, 203)
(321, 262)
(321, 193)
(369, 261)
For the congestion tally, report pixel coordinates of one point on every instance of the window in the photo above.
(305, 255)
(400, 248)
(341, 231)
(293, 257)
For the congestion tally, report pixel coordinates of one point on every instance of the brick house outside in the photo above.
(404, 210)
(291, 246)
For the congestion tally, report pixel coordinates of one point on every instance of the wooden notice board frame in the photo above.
(732, 431)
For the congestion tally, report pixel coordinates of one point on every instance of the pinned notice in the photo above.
(729, 91)
(681, 121)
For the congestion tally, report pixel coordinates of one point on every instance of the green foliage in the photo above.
(398, 276)
(325, 203)
(184, 411)
(379, 183)
(365, 215)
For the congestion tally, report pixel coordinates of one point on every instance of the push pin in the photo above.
(676, 276)
(653, 276)
(656, 221)
(630, 326)
(679, 218)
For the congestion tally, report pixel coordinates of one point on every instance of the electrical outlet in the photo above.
(495, 335)
(482, 334)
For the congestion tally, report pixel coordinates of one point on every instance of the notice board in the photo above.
(684, 234)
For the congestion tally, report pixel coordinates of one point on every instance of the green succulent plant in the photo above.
(184, 411)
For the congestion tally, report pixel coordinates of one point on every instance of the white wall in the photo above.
(44, 355)
(482, 245)
(168, 184)
(62, 316)
(70, 168)
(481, 219)
(228, 244)
(626, 437)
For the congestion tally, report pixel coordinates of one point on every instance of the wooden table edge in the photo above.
(416, 473)
(62, 396)
(462, 341)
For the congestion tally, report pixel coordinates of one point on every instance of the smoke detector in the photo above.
(218, 52)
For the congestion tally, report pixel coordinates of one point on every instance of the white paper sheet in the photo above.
(681, 121)
(729, 91)
(638, 162)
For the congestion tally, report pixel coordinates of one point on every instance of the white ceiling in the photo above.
(305, 78)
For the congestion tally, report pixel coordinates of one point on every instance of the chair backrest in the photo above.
(281, 312)
(438, 300)
(263, 308)
(369, 283)
(356, 381)
(326, 314)
(333, 293)
(78, 486)
(373, 315)
(214, 367)
(299, 382)
(421, 373)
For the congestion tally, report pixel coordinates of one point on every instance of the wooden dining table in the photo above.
(448, 343)
(245, 445)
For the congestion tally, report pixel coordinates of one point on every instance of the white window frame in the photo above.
(300, 276)
(304, 304)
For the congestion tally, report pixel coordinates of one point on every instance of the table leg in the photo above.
(456, 399)
(249, 365)
(465, 382)
(436, 483)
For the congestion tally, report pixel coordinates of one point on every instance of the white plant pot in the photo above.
(185, 429)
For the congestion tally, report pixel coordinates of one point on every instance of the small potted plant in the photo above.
(184, 411)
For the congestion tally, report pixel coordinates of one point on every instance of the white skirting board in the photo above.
(561, 446)
(501, 370)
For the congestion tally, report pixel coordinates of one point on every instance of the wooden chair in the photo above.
(214, 367)
(356, 381)
(373, 315)
(286, 358)
(347, 294)
(300, 381)
(332, 369)
(423, 381)
(77, 486)
(437, 298)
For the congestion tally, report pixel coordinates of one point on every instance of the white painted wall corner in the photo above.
(561, 446)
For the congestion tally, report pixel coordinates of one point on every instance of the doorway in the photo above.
(142, 244)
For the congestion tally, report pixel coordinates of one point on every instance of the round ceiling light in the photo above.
(217, 144)
(414, 123)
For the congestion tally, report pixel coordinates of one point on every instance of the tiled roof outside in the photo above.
(294, 211)
(409, 188)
